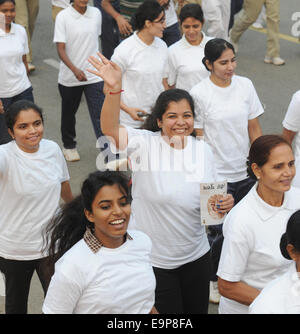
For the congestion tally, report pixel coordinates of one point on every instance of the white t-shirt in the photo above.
(143, 67)
(30, 186)
(292, 122)
(185, 67)
(166, 195)
(80, 33)
(171, 16)
(224, 113)
(251, 254)
(110, 281)
(280, 296)
(13, 76)
(61, 3)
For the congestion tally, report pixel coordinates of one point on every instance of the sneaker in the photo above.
(235, 45)
(257, 25)
(274, 60)
(117, 165)
(31, 67)
(214, 295)
(71, 154)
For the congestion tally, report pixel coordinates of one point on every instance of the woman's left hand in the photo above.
(226, 204)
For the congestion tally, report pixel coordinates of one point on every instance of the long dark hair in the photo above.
(291, 235)
(161, 106)
(70, 223)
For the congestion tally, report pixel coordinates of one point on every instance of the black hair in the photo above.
(292, 235)
(214, 49)
(69, 225)
(11, 114)
(3, 1)
(148, 10)
(260, 151)
(191, 10)
(161, 106)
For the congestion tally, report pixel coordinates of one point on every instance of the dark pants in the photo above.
(71, 97)
(18, 275)
(172, 34)
(215, 236)
(110, 36)
(184, 290)
(236, 6)
(7, 101)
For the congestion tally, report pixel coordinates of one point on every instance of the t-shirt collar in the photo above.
(12, 30)
(188, 45)
(154, 43)
(77, 15)
(266, 211)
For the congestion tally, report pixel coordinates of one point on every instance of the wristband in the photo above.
(114, 93)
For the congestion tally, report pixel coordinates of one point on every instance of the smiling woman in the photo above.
(251, 255)
(101, 264)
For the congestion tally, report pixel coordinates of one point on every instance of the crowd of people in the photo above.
(163, 95)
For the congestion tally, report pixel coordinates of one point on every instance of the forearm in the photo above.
(107, 6)
(66, 193)
(64, 57)
(254, 129)
(24, 59)
(238, 291)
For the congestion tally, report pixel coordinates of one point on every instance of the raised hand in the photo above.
(107, 70)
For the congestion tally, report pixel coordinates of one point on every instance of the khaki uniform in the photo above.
(250, 13)
(26, 14)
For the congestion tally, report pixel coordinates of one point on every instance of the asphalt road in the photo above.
(275, 86)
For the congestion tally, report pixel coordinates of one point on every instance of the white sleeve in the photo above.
(292, 118)
(24, 42)
(62, 295)
(255, 107)
(60, 35)
(99, 21)
(235, 249)
(3, 163)
(199, 121)
(120, 57)
(172, 73)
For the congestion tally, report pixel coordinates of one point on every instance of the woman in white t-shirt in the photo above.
(142, 58)
(76, 34)
(33, 178)
(102, 267)
(252, 230)
(167, 164)
(282, 295)
(185, 67)
(291, 128)
(14, 82)
(227, 110)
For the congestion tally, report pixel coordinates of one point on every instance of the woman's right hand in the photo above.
(108, 71)
(80, 76)
(123, 25)
(133, 112)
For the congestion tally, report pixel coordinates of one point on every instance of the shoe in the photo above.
(235, 45)
(118, 165)
(257, 25)
(274, 60)
(71, 154)
(214, 295)
(31, 67)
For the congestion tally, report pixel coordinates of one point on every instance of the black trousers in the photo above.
(184, 290)
(18, 275)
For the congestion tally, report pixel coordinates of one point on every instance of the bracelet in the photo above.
(119, 92)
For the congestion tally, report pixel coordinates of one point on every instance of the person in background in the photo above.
(14, 83)
(282, 295)
(142, 58)
(166, 157)
(33, 178)
(251, 256)
(100, 266)
(110, 36)
(26, 15)
(290, 131)
(227, 110)
(235, 8)
(250, 13)
(185, 68)
(76, 34)
(217, 17)
(57, 6)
